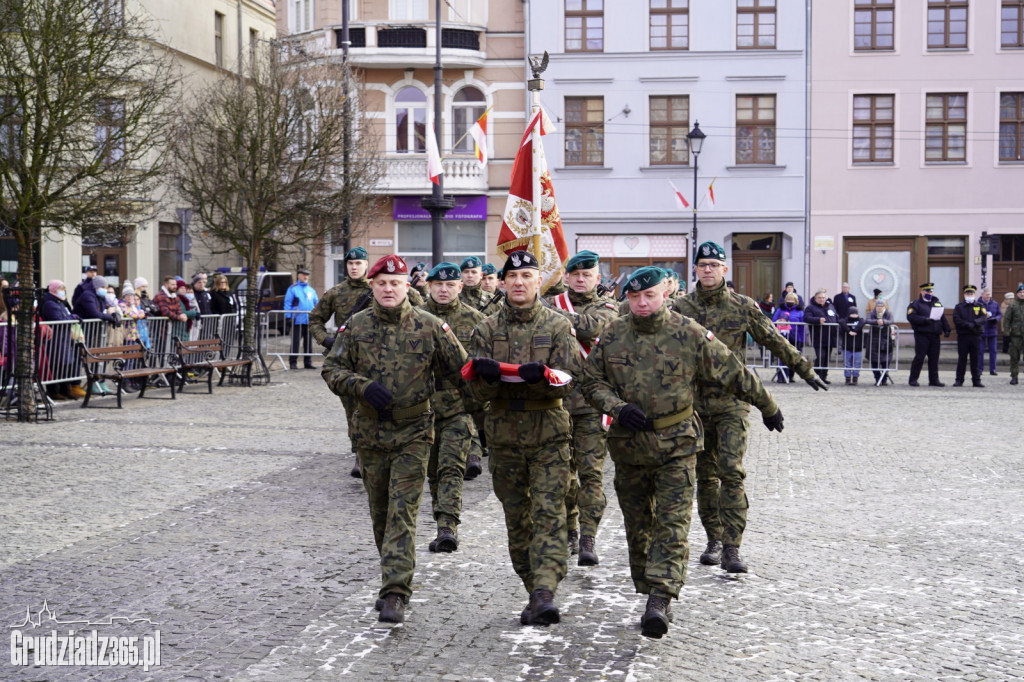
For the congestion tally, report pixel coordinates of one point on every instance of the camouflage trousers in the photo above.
(585, 501)
(530, 483)
(394, 485)
(479, 444)
(1016, 349)
(721, 499)
(447, 467)
(657, 507)
(350, 408)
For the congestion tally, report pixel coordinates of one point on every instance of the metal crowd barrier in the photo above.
(285, 342)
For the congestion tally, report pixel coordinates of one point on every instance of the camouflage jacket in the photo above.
(592, 314)
(731, 316)
(476, 298)
(448, 399)
(521, 335)
(654, 362)
(337, 301)
(403, 348)
(1013, 318)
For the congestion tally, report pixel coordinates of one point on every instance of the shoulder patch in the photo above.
(611, 306)
(341, 329)
(444, 325)
(572, 330)
(710, 335)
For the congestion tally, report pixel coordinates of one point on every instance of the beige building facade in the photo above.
(916, 129)
(392, 49)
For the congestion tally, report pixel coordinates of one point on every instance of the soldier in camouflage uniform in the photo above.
(721, 499)
(340, 302)
(1013, 327)
(473, 294)
(585, 501)
(528, 429)
(453, 427)
(643, 373)
(489, 278)
(386, 360)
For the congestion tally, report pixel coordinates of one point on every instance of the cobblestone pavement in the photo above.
(884, 542)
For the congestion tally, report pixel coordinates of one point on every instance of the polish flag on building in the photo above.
(531, 220)
(479, 134)
(680, 199)
(711, 195)
(434, 166)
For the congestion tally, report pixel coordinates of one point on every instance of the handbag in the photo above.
(77, 335)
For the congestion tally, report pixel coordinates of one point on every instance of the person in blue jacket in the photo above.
(989, 333)
(300, 297)
(789, 320)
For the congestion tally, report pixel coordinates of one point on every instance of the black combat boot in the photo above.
(574, 537)
(473, 468)
(731, 561)
(447, 540)
(543, 610)
(978, 384)
(379, 604)
(588, 555)
(657, 614)
(712, 555)
(1013, 381)
(355, 473)
(393, 610)
(958, 383)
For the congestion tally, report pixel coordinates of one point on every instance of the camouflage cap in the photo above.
(444, 272)
(710, 250)
(518, 260)
(644, 278)
(471, 262)
(358, 253)
(583, 260)
(488, 269)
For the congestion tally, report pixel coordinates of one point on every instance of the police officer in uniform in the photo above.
(589, 313)
(969, 318)
(721, 499)
(340, 302)
(643, 373)
(925, 315)
(386, 360)
(453, 427)
(528, 428)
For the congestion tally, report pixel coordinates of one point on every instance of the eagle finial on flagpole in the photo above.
(539, 64)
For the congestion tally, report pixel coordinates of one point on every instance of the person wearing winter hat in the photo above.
(877, 296)
(60, 351)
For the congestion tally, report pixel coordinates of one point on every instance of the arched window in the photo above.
(410, 121)
(468, 106)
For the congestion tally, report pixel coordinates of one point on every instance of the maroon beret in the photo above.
(389, 265)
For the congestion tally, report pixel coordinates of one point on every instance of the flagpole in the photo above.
(437, 204)
(535, 146)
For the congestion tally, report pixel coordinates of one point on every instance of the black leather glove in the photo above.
(632, 417)
(816, 383)
(532, 372)
(487, 369)
(378, 395)
(328, 342)
(774, 422)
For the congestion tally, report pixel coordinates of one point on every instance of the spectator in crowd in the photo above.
(145, 302)
(844, 301)
(767, 305)
(133, 316)
(221, 301)
(926, 317)
(170, 306)
(970, 318)
(989, 333)
(871, 303)
(4, 286)
(881, 340)
(203, 300)
(1007, 301)
(92, 305)
(115, 332)
(789, 320)
(820, 316)
(300, 297)
(1013, 327)
(59, 344)
(89, 273)
(790, 288)
(851, 329)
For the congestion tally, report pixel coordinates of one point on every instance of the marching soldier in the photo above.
(386, 361)
(643, 373)
(588, 314)
(453, 427)
(721, 498)
(528, 429)
(342, 301)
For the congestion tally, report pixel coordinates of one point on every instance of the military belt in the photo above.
(526, 405)
(389, 414)
(671, 420)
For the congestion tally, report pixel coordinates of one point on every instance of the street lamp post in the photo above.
(696, 139)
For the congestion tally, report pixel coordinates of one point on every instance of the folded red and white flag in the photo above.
(510, 374)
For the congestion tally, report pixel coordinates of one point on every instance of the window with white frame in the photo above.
(110, 130)
(468, 105)
(410, 121)
(300, 15)
(467, 11)
(409, 10)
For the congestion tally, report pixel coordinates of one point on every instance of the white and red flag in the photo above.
(479, 134)
(510, 374)
(711, 195)
(434, 165)
(680, 199)
(531, 220)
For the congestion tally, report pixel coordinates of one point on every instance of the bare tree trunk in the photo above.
(24, 377)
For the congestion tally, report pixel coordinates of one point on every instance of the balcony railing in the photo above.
(408, 174)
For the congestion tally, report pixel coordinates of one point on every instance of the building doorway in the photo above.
(756, 263)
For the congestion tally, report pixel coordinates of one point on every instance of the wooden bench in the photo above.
(127, 362)
(208, 355)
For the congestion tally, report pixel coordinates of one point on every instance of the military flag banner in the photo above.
(531, 219)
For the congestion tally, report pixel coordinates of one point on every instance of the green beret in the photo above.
(444, 272)
(583, 260)
(358, 253)
(472, 262)
(710, 250)
(488, 269)
(644, 278)
(1020, 287)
